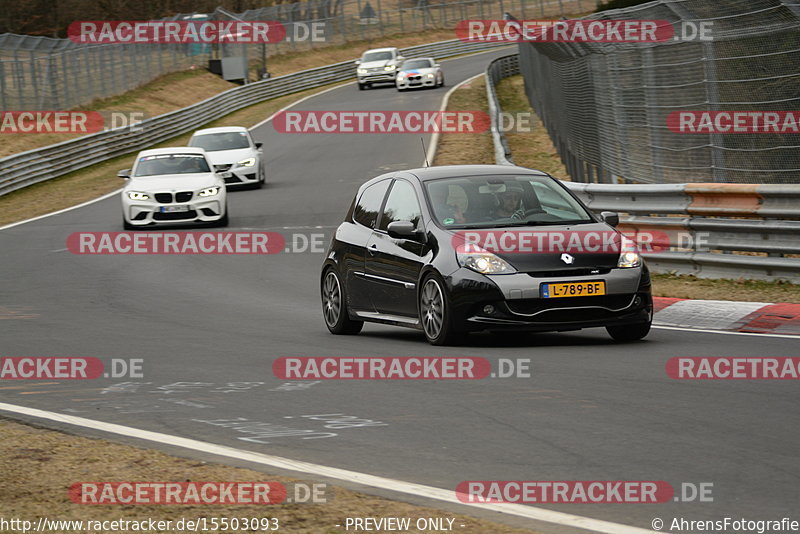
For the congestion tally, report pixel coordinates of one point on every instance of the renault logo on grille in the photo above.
(568, 259)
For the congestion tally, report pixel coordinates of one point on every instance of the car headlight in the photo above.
(628, 255)
(249, 162)
(361, 71)
(137, 195)
(429, 75)
(209, 192)
(389, 67)
(479, 260)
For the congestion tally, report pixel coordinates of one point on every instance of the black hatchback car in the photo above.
(457, 249)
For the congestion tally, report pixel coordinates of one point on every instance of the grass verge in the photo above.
(691, 287)
(466, 148)
(532, 149)
(40, 465)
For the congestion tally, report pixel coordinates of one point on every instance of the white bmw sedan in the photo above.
(173, 185)
(233, 153)
(419, 72)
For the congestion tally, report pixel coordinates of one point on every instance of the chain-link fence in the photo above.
(606, 105)
(41, 73)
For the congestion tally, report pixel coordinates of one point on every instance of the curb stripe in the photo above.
(779, 318)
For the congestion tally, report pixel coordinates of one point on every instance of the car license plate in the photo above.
(573, 289)
(174, 209)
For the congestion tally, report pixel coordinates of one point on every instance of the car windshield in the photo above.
(502, 201)
(171, 164)
(417, 64)
(376, 56)
(220, 141)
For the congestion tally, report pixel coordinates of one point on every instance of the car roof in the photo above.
(172, 150)
(453, 171)
(221, 129)
(415, 58)
(387, 49)
(426, 174)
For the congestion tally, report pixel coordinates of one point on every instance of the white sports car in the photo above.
(233, 153)
(173, 185)
(419, 72)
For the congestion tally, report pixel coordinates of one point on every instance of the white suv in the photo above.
(378, 65)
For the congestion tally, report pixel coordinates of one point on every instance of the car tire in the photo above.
(361, 86)
(441, 81)
(334, 306)
(630, 332)
(434, 312)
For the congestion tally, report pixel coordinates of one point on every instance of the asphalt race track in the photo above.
(208, 328)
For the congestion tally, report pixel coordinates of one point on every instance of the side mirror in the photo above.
(610, 217)
(259, 145)
(357, 62)
(218, 168)
(400, 59)
(436, 65)
(124, 173)
(402, 230)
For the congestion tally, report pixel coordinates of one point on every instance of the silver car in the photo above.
(378, 65)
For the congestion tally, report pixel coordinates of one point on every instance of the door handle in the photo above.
(373, 248)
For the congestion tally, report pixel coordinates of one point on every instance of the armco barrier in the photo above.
(712, 230)
(34, 166)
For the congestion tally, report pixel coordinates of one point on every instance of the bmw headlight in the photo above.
(249, 162)
(429, 75)
(628, 254)
(361, 71)
(209, 192)
(137, 195)
(479, 260)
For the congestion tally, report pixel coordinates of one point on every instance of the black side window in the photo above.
(402, 205)
(369, 205)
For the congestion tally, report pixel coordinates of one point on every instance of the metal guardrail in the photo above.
(711, 230)
(42, 164)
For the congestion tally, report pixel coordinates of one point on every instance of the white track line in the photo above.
(529, 512)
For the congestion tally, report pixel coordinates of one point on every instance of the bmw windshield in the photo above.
(502, 201)
(171, 164)
(417, 64)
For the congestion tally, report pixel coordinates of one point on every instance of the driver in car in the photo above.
(510, 203)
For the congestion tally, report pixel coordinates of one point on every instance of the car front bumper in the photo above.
(513, 302)
(145, 213)
(377, 77)
(234, 175)
(409, 83)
